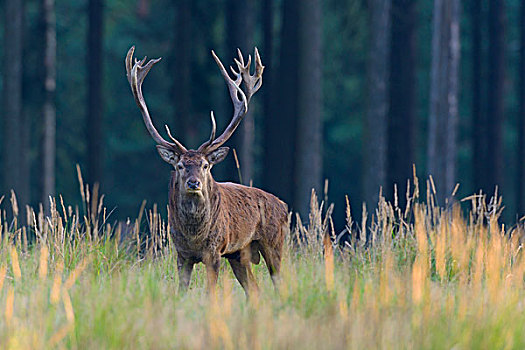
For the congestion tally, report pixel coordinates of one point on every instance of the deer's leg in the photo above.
(272, 256)
(185, 267)
(243, 272)
(213, 263)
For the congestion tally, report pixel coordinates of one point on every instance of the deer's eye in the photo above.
(180, 167)
(206, 166)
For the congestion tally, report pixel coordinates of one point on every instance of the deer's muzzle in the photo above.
(193, 185)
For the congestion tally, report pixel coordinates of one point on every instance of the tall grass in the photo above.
(422, 276)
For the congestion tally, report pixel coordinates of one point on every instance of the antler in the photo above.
(136, 73)
(252, 83)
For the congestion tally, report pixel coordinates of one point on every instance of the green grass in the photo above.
(429, 278)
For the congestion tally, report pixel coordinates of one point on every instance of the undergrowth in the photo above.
(421, 276)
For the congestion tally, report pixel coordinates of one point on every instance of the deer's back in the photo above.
(249, 214)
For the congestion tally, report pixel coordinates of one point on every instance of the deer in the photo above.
(210, 220)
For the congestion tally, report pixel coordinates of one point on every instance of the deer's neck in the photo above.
(193, 214)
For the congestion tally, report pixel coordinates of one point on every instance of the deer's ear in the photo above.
(168, 155)
(218, 155)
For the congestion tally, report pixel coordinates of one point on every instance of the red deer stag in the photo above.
(210, 219)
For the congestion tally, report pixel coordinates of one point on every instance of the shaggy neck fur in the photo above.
(193, 213)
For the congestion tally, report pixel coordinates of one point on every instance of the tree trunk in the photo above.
(94, 56)
(442, 147)
(520, 188)
(143, 8)
(308, 152)
(49, 110)
(269, 117)
(495, 95)
(182, 74)
(479, 117)
(453, 94)
(14, 148)
(240, 23)
(280, 140)
(375, 139)
(402, 124)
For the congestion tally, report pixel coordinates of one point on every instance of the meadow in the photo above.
(421, 276)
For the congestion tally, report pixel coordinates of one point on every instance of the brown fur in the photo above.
(224, 220)
(210, 219)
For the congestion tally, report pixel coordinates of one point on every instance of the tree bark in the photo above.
(240, 23)
(402, 124)
(95, 108)
(280, 140)
(308, 156)
(14, 146)
(49, 109)
(495, 95)
(375, 139)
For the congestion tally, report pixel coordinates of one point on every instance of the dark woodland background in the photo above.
(354, 92)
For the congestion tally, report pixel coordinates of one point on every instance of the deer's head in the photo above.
(193, 167)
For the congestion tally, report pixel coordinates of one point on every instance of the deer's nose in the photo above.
(193, 184)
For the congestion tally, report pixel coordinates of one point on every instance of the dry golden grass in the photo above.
(426, 277)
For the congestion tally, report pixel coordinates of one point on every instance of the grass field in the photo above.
(427, 277)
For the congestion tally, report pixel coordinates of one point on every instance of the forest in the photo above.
(394, 130)
(357, 96)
